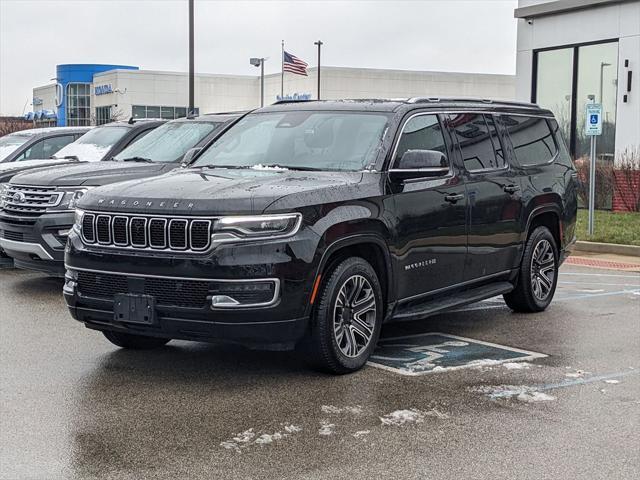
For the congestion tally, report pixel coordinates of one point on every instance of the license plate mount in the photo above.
(129, 308)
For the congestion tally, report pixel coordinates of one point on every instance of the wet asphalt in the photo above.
(72, 406)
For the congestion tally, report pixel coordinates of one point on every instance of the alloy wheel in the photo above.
(543, 270)
(354, 315)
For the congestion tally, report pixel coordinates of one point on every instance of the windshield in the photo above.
(10, 143)
(169, 142)
(299, 140)
(93, 145)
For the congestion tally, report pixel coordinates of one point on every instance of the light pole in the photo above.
(191, 94)
(319, 44)
(259, 62)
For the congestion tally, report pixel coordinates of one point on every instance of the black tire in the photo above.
(534, 290)
(135, 342)
(326, 351)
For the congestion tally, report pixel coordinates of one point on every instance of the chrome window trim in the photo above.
(126, 230)
(164, 229)
(144, 229)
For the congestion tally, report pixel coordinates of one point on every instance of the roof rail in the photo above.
(470, 100)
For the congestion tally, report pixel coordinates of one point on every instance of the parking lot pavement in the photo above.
(75, 407)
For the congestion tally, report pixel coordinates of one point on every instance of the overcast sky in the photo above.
(451, 35)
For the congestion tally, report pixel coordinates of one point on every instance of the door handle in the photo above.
(453, 198)
(511, 188)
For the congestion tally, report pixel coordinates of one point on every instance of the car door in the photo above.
(494, 199)
(429, 242)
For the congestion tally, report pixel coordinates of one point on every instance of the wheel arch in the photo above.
(546, 216)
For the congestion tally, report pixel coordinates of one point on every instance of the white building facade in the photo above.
(95, 97)
(573, 52)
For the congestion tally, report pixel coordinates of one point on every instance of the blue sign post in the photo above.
(593, 128)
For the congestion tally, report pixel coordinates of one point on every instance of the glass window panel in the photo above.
(167, 113)
(153, 112)
(554, 83)
(597, 76)
(422, 132)
(531, 138)
(181, 112)
(475, 140)
(139, 111)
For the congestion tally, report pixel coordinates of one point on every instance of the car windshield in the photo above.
(93, 145)
(302, 140)
(10, 143)
(169, 142)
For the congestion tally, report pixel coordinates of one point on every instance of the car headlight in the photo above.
(77, 221)
(71, 197)
(3, 190)
(254, 227)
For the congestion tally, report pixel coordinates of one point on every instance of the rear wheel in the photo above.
(135, 342)
(347, 319)
(538, 274)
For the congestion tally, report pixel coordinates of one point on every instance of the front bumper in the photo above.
(96, 276)
(36, 243)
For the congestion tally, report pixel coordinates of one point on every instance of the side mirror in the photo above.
(190, 155)
(420, 163)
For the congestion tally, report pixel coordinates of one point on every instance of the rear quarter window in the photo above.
(532, 139)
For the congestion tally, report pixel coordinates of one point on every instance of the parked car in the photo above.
(37, 143)
(91, 145)
(314, 223)
(36, 208)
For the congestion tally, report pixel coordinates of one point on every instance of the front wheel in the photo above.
(135, 342)
(347, 319)
(538, 274)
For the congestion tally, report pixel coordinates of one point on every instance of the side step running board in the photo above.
(416, 312)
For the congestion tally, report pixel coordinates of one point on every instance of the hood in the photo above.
(223, 191)
(9, 169)
(94, 173)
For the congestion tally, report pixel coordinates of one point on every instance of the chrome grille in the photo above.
(30, 200)
(148, 232)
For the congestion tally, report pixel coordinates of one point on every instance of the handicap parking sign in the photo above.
(438, 352)
(593, 116)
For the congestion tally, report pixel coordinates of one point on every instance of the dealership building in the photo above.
(574, 52)
(93, 94)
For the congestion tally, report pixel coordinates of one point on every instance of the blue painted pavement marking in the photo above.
(438, 352)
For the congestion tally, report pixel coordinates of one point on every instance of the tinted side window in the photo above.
(34, 152)
(53, 144)
(422, 132)
(478, 141)
(531, 138)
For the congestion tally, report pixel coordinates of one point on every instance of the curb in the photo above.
(597, 247)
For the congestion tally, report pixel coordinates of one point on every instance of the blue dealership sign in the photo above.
(103, 89)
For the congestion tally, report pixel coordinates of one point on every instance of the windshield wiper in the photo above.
(137, 159)
(276, 166)
(73, 158)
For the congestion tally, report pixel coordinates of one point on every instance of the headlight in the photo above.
(3, 189)
(71, 197)
(77, 220)
(256, 227)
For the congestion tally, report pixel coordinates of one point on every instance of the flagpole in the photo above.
(282, 74)
(319, 44)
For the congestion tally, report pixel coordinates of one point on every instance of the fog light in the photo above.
(256, 293)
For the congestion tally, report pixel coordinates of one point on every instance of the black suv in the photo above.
(36, 208)
(37, 143)
(314, 223)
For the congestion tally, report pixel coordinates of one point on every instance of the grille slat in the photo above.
(144, 233)
(30, 200)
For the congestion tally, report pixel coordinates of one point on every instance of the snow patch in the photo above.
(267, 167)
(413, 415)
(576, 374)
(292, 428)
(523, 393)
(243, 440)
(516, 365)
(612, 382)
(266, 438)
(326, 428)
(361, 433)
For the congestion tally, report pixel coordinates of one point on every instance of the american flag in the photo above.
(292, 64)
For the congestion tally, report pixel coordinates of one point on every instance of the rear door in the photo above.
(430, 242)
(494, 198)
